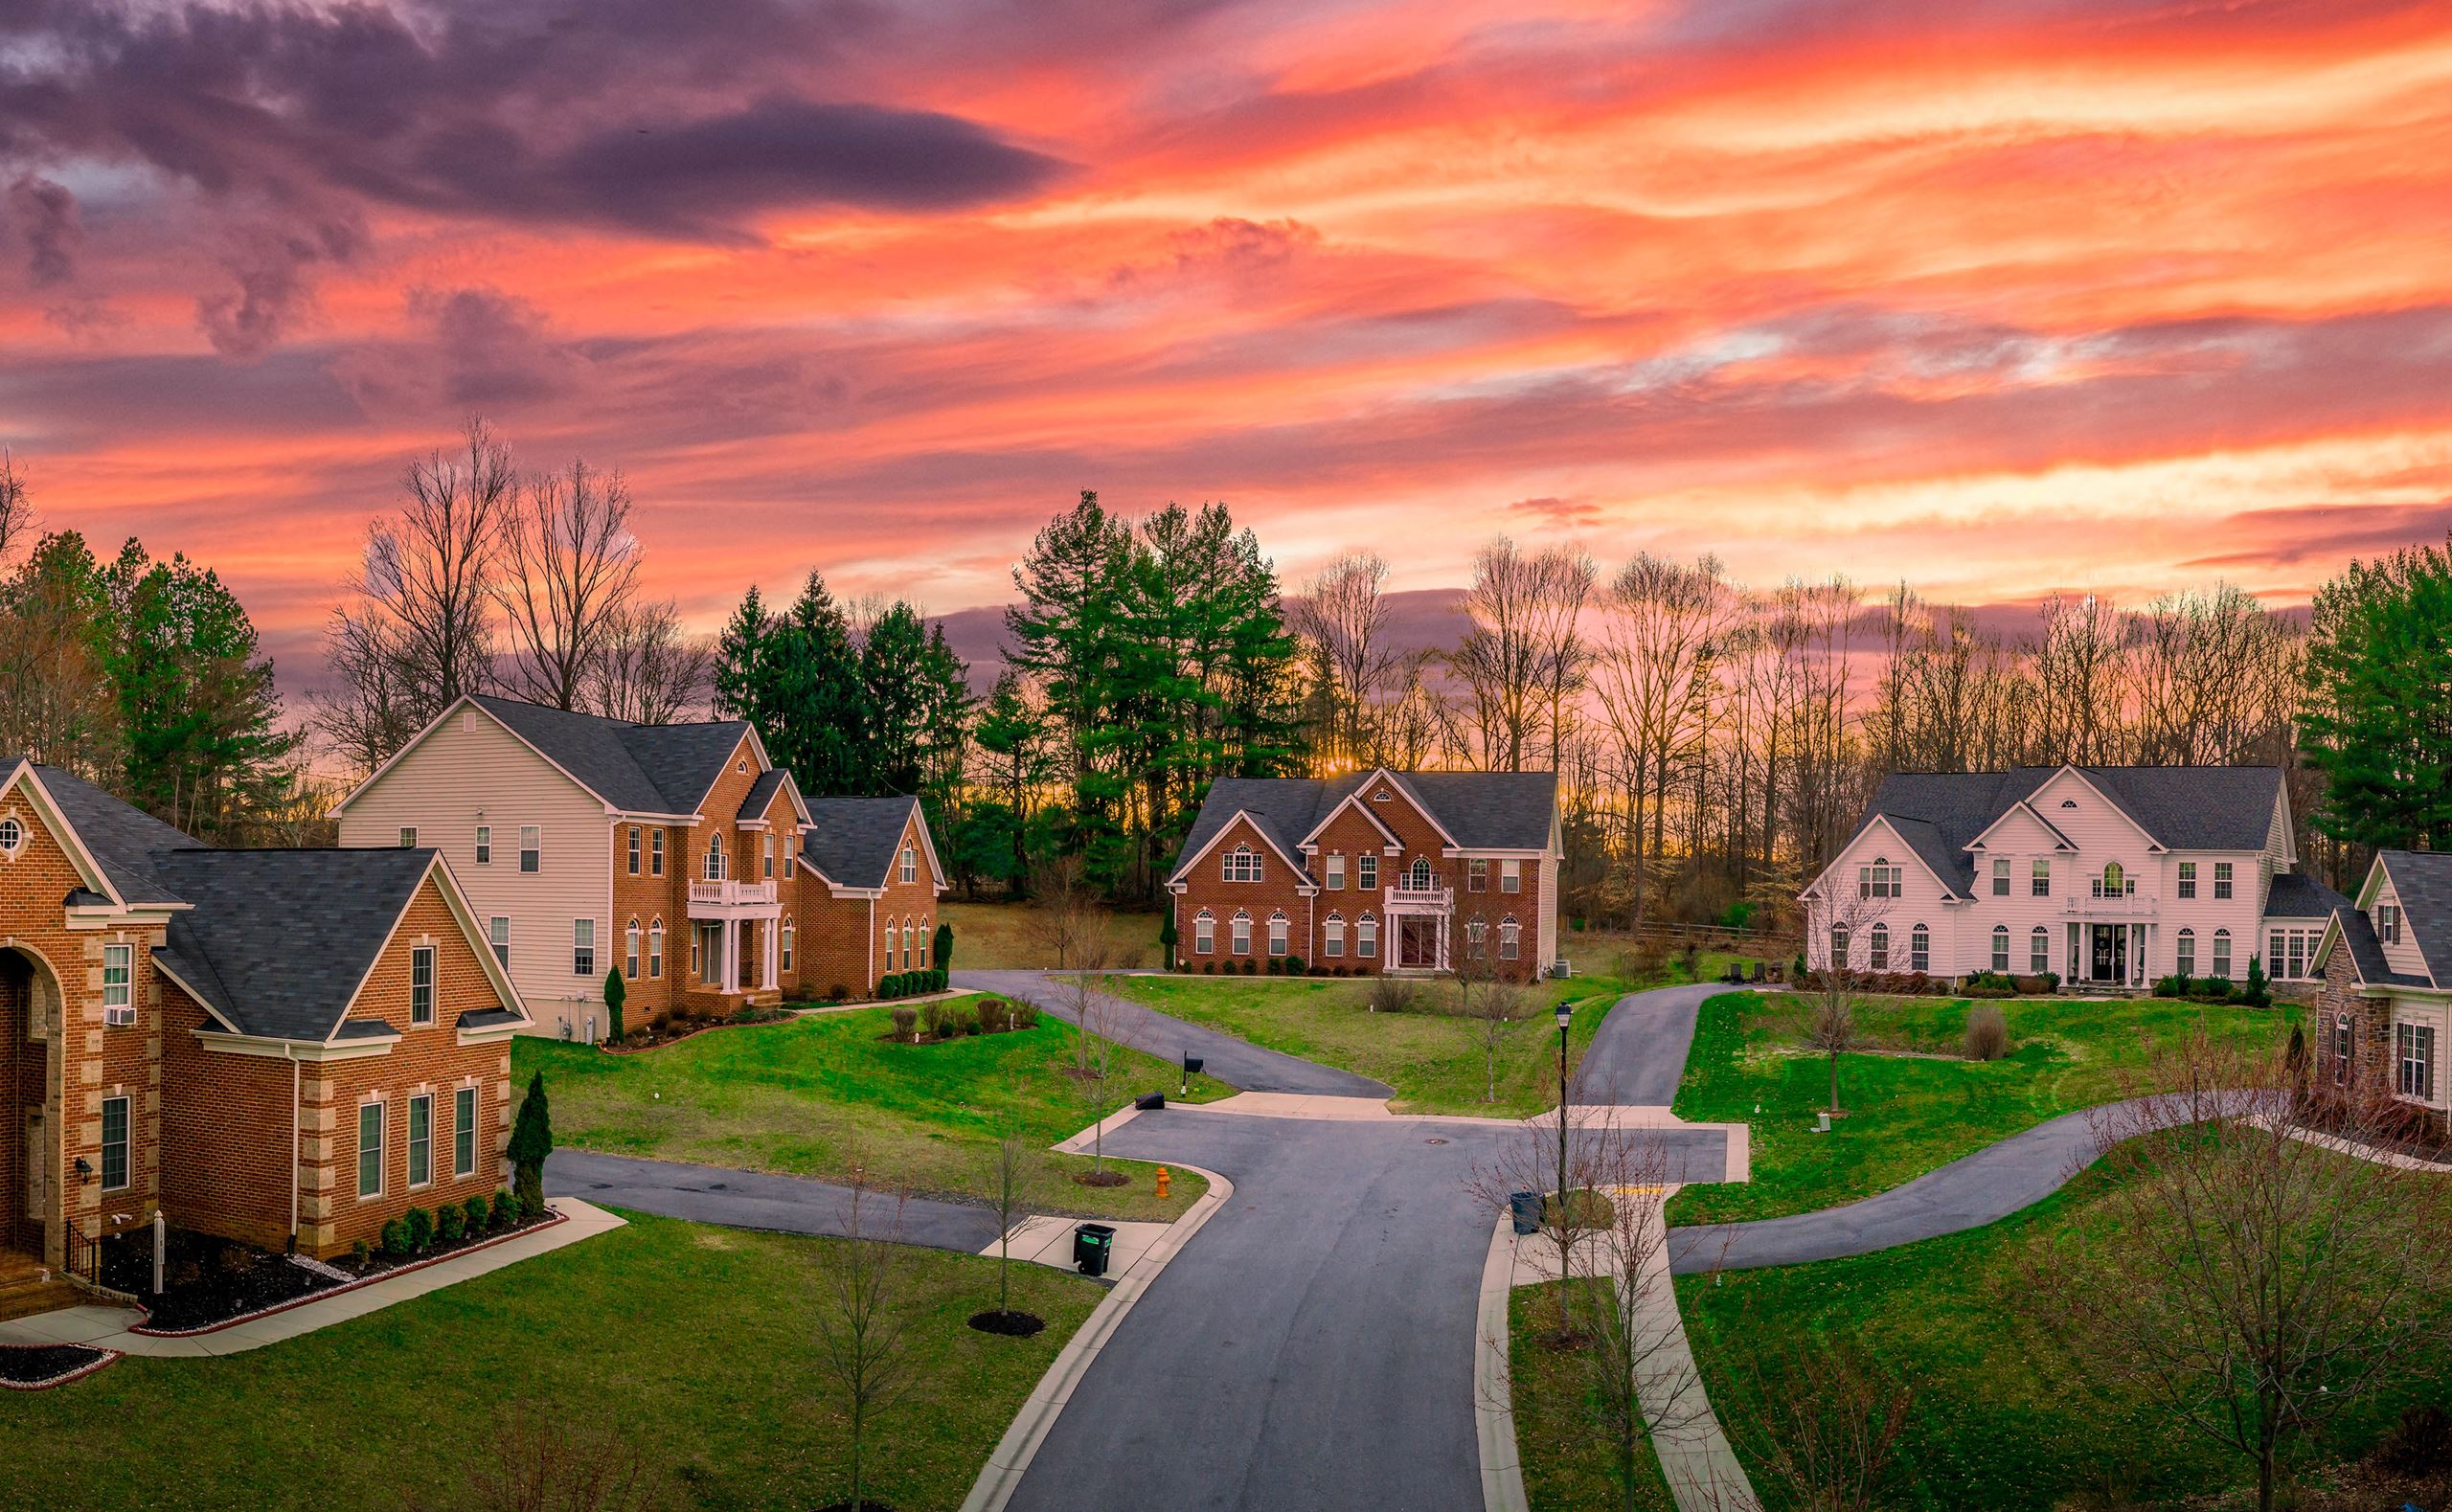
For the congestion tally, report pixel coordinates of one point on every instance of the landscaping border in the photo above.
(108, 1358)
(143, 1330)
(792, 1013)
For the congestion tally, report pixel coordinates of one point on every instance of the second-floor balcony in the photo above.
(2101, 902)
(1431, 898)
(731, 892)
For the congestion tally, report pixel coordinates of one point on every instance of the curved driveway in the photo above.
(762, 1200)
(1638, 1055)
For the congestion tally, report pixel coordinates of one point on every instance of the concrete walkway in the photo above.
(1237, 1061)
(760, 1199)
(105, 1327)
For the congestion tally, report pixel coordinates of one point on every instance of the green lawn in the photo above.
(1560, 1442)
(988, 935)
(2003, 1417)
(820, 1093)
(693, 1343)
(1907, 1115)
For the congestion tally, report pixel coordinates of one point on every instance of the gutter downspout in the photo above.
(289, 1054)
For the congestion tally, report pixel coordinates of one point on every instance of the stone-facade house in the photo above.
(290, 1047)
(679, 854)
(1377, 872)
(2383, 1016)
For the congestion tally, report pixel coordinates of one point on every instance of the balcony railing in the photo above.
(731, 891)
(1421, 897)
(2111, 905)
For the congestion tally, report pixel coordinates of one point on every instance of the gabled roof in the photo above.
(1480, 810)
(761, 795)
(278, 941)
(2422, 881)
(2027, 808)
(121, 838)
(855, 839)
(638, 769)
(2295, 894)
(2355, 933)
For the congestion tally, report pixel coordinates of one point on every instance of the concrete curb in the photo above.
(1011, 1457)
(1493, 1379)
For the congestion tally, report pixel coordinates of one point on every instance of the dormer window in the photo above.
(2388, 923)
(1241, 864)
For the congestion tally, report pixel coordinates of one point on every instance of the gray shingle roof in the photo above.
(122, 838)
(2294, 894)
(855, 841)
(640, 768)
(277, 940)
(1483, 810)
(2184, 807)
(2422, 879)
(762, 792)
(2367, 952)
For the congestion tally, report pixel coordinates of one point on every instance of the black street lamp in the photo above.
(1566, 1016)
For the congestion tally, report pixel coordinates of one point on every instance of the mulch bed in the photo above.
(33, 1367)
(1104, 1179)
(1011, 1325)
(645, 1038)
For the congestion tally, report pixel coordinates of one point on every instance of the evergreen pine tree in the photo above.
(615, 990)
(531, 1140)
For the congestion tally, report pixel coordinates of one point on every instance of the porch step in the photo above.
(25, 1292)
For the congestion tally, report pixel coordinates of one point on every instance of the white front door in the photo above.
(37, 1168)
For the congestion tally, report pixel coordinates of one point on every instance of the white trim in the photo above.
(2154, 845)
(1183, 869)
(1949, 894)
(2059, 841)
(231, 1042)
(89, 870)
(1354, 799)
(201, 1001)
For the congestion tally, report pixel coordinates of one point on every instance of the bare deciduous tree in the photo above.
(1841, 923)
(1342, 616)
(1489, 1006)
(569, 570)
(1828, 1427)
(1525, 654)
(1101, 1024)
(648, 670)
(863, 1325)
(16, 508)
(1009, 1196)
(540, 1463)
(1066, 921)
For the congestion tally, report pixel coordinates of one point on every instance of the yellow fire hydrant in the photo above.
(1163, 1180)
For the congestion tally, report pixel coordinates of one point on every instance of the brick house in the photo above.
(290, 1047)
(679, 853)
(2106, 876)
(2383, 1015)
(1380, 871)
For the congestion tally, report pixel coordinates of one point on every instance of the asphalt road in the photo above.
(1639, 1055)
(757, 1199)
(1237, 1063)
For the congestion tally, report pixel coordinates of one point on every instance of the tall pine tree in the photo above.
(2374, 720)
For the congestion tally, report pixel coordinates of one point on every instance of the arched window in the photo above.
(1278, 929)
(2183, 957)
(655, 950)
(2221, 951)
(1418, 875)
(1240, 865)
(1365, 936)
(630, 951)
(715, 858)
(2039, 951)
(1204, 932)
(2344, 1047)
(1242, 933)
(910, 944)
(889, 944)
(927, 943)
(1878, 880)
(1332, 936)
(2115, 881)
(1511, 935)
(1477, 938)
(1877, 954)
(1919, 949)
(788, 942)
(2000, 947)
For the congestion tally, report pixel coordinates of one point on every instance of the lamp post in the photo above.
(1566, 1016)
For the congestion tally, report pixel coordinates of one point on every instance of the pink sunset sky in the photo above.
(1997, 298)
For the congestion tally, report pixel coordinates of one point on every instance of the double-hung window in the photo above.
(910, 863)
(1366, 937)
(786, 945)
(1919, 949)
(1877, 952)
(1243, 934)
(2042, 884)
(1333, 936)
(484, 845)
(2344, 1047)
(531, 848)
(2001, 947)
(1880, 879)
(2188, 879)
(583, 947)
(1240, 865)
(2221, 879)
(630, 951)
(2184, 955)
(655, 851)
(498, 936)
(421, 984)
(2039, 951)
(114, 1144)
(463, 1132)
(1204, 932)
(408, 837)
(2000, 876)
(2222, 953)
(1509, 934)
(369, 1149)
(2414, 1048)
(119, 1004)
(421, 1140)
(767, 855)
(634, 851)
(1335, 871)
(655, 950)
(1477, 875)
(2388, 923)
(1366, 873)
(1277, 931)
(1511, 877)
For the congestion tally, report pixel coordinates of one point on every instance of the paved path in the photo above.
(1639, 1055)
(1236, 1062)
(757, 1199)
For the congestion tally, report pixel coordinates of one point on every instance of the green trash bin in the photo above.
(1092, 1244)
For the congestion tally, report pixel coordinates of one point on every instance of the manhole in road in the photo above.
(1434, 1141)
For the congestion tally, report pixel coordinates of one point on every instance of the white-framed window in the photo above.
(1332, 936)
(2344, 1047)
(910, 944)
(789, 855)
(421, 984)
(2221, 951)
(1919, 949)
(2039, 951)
(2001, 947)
(1477, 875)
(1366, 873)
(2188, 879)
(1365, 936)
(1277, 931)
(927, 943)
(767, 855)
(1477, 933)
(1510, 936)
(1510, 876)
(2221, 879)
(890, 937)
(655, 949)
(1240, 865)
(408, 837)
(2041, 883)
(910, 863)
(1204, 932)
(630, 950)
(1839, 947)
(2000, 876)
(369, 1149)
(421, 1140)
(2413, 1055)
(1877, 948)
(696, 933)
(531, 848)
(484, 845)
(463, 1132)
(786, 944)
(498, 936)
(714, 867)
(634, 849)
(1877, 880)
(2114, 883)
(1242, 933)
(2388, 923)
(12, 834)
(655, 851)
(1418, 877)
(2184, 953)
(1335, 871)
(583, 947)
(114, 1144)
(119, 1000)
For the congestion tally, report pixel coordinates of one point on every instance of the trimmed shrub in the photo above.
(661, 1023)
(2212, 989)
(449, 1224)
(420, 1227)
(1026, 1015)
(505, 1210)
(837, 993)
(969, 1028)
(359, 1254)
(531, 1140)
(396, 1237)
(1251, 967)
(942, 945)
(2257, 993)
(1294, 966)
(905, 1021)
(1209, 967)
(1987, 1033)
(2174, 985)
(478, 1212)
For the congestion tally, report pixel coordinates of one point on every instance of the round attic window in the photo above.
(11, 834)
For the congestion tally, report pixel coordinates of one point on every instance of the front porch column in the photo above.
(771, 934)
(729, 959)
